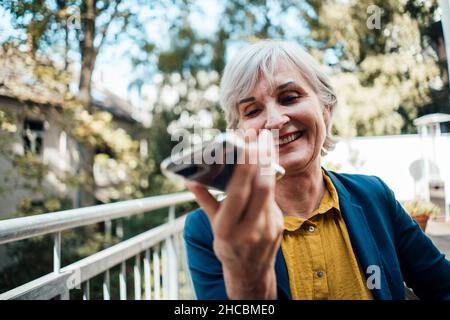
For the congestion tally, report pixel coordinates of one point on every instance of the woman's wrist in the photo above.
(263, 287)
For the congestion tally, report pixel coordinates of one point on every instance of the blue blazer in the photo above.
(381, 232)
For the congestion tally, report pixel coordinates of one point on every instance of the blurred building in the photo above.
(412, 165)
(39, 132)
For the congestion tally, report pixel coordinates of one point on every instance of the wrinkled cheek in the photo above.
(254, 124)
(319, 138)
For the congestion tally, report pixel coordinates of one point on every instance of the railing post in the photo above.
(156, 272)
(137, 277)
(147, 275)
(57, 252)
(171, 213)
(165, 270)
(123, 281)
(172, 270)
(119, 229)
(170, 278)
(108, 228)
(106, 287)
(57, 262)
(86, 291)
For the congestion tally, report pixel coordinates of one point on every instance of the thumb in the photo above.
(266, 152)
(205, 199)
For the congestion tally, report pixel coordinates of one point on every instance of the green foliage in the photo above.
(25, 264)
(30, 167)
(27, 207)
(47, 86)
(383, 75)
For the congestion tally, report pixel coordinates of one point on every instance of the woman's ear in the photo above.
(326, 112)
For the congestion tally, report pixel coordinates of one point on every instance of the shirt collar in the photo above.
(329, 201)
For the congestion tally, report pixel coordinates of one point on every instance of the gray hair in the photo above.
(259, 60)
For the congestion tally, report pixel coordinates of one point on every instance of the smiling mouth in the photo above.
(286, 139)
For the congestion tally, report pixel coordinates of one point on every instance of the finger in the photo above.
(238, 192)
(266, 151)
(249, 135)
(205, 199)
(263, 182)
(262, 195)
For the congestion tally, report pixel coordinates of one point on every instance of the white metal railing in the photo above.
(160, 251)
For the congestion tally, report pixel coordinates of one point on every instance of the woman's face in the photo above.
(292, 107)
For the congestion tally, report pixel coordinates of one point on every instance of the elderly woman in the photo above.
(314, 234)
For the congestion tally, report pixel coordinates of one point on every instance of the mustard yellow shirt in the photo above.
(319, 257)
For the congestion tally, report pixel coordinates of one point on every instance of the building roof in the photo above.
(105, 100)
(19, 82)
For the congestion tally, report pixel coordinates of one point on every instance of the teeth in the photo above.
(289, 138)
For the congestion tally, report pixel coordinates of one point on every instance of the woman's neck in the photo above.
(300, 194)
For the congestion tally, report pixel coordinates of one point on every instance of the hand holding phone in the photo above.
(211, 164)
(247, 227)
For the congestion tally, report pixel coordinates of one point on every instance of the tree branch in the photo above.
(106, 27)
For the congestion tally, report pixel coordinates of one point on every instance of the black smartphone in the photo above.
(211, 164)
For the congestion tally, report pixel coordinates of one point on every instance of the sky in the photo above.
(117, 78)
(5, 25)
(112, 67)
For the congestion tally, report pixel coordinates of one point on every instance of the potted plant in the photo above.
(421, 210)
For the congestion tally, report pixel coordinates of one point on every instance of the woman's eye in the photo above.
(289, 98)
(251, 113)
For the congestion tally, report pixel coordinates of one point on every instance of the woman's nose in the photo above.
(275, 119)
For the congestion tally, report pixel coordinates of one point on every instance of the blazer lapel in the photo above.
(361, 237)
(282, 275)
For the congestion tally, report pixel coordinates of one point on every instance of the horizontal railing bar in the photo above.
(43, 288)
(93, 265)
(27, 227)
(101, 261)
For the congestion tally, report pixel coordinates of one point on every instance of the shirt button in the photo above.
(311, 229)
(319, 274)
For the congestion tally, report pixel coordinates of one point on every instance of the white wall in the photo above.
(390, 157)
(53, 155)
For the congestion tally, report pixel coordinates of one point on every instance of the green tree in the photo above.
(385, 75)
(82, 27)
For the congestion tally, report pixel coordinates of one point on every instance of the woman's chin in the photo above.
(294, 161)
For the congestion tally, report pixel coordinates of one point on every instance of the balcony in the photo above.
(160, 268)
(160, 251)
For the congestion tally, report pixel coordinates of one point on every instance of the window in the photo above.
(33, 133)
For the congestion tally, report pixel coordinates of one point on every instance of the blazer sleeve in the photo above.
(425, 269)
(205, 268)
